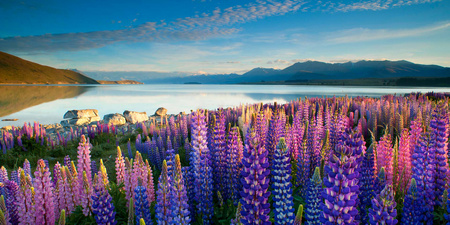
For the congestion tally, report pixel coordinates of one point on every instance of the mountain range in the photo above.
(317, 71)
(14, 70)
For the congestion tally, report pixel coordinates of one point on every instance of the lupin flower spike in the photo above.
(412, 204)
(130, 212)
(200, 162)
(383, 208)
(282, 186)
(314, 199)
(178, 195)
(141, 204)
(103, 174)
(255, 182)
(162, 209)
(237, 219)
(4, 210)
(102, 207)
(298, 216)
(120, 167)
(2, 218)
(62, 218)
(45, 211)
(341, 184)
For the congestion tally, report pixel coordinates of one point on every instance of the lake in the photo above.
(47, 103)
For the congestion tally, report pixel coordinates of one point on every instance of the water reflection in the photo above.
(47, 104)
(16, 98)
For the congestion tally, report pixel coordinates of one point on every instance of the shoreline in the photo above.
(54, 129)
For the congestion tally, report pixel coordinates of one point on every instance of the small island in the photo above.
(119, 82)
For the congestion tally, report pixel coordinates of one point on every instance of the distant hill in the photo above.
(14, 70)
(119, 82)
(319, 71)
(366, 69)
(140, 76)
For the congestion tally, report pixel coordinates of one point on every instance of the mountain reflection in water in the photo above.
(16, 98)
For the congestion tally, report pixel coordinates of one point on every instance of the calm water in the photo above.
(47, 104)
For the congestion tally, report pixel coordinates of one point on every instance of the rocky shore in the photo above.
(82, 118)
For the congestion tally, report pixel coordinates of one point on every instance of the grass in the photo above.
(103, 147)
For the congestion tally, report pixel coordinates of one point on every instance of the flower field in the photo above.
(311, 161)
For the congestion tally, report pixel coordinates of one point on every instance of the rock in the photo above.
(135, 117)
(7, 128)
(115, 119)
(83, 113)
(94, 120)
(161, 111)
(10, 119)
(50, 128)
(59, 130)
(64, 123)
(80, 117)
(94, 123)
(74, 122)
(79, 121)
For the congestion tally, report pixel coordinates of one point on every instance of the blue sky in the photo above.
(212, 36)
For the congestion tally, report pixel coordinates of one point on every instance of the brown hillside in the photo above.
(14, 70)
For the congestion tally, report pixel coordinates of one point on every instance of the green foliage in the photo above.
(120, 203)
(438, 214)
(441, 210)
(182, 153)
(104, 139)
(123, 140)
(77, 217)
(223, 214)
(30, 150)
(298, 200)
(294, 171)
(104, 147)
(120, 207)
(399, 199)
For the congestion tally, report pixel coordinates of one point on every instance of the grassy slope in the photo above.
(14, 70)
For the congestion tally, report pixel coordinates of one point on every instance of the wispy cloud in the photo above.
(364, 34)
(97, 39)
(219, 22)
(372, 5)
(200, 27)
(278, 61)
(302, 60)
